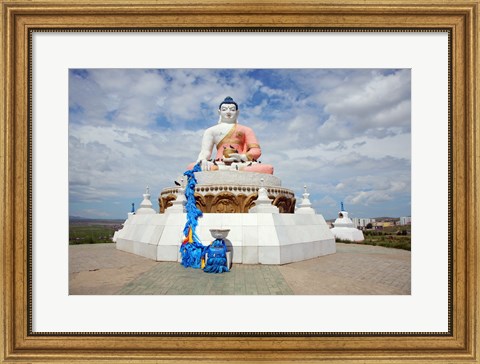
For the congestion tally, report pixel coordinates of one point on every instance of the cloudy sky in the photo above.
(345, 133)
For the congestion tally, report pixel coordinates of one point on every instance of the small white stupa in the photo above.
(305, 206)
(178, 205)
(146, 206)
(263, 203)
(343, 228)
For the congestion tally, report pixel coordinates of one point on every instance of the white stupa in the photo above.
(178, 205)
(343, 228)
(305, 206)
(263, 203)
(146, 206)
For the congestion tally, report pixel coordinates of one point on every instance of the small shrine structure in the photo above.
(344, 229)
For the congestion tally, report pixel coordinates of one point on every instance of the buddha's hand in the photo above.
(237, 157)
(203, 163)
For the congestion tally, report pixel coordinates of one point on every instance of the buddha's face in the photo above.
(228, 113)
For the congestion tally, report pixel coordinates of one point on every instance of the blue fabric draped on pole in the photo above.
(216, 257)
(192, 249)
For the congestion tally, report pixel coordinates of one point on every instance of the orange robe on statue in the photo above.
(243, 139)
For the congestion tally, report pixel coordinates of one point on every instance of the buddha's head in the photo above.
(228, 111)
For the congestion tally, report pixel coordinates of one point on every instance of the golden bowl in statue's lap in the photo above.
(227, 152)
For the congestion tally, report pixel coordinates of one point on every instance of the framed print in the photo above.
(57, 55)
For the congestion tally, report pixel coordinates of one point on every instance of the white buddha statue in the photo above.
(237, 146)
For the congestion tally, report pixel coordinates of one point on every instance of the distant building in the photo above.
(362, 222)
(383, 224)
(405, 220)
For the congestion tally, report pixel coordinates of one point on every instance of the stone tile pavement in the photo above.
(355, 269)
(173, 278)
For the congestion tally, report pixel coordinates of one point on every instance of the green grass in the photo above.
(91, 233)
(389, 238)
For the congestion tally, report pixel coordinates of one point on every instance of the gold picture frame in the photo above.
(459, 18)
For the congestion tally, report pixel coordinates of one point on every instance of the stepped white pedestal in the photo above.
(254, 238)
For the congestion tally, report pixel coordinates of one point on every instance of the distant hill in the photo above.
(84, 220)
(386, 218)
(77, 218)
(378, 219)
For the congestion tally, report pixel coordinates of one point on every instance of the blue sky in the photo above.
(345, 133)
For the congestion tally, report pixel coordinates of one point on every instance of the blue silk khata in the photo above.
(192, 250)
(216, 255)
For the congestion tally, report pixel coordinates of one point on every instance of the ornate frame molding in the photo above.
(20, 18)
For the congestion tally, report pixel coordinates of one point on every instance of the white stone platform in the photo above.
(254, 238)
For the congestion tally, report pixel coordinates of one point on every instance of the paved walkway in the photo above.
(355, 269)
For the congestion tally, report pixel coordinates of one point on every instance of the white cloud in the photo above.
(326, 201)
(340, 186)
